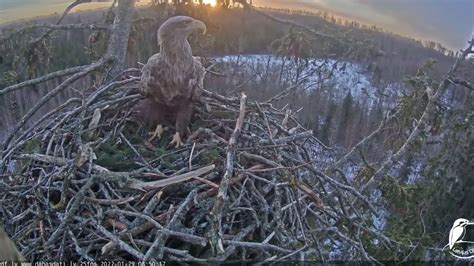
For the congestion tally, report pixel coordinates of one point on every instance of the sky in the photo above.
(449, 22)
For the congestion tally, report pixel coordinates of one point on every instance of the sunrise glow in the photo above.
(210, 2)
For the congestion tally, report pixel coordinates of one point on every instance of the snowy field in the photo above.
(336, 78)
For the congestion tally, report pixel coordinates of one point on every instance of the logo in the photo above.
(461, 239)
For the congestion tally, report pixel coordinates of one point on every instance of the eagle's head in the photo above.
(178, 28)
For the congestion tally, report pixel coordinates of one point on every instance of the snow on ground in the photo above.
(337, 77)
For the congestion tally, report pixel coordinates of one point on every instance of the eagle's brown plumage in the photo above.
(172, 79)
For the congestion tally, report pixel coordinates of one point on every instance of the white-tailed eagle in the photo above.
(172, 80)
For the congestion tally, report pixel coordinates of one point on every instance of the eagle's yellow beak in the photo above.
(198, 25)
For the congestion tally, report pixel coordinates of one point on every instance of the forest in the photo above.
(316, 139)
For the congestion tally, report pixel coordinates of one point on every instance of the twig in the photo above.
(44, 78)
(288, 22)
(422, 122)
(257, 246)
(51, 94)
(124, 246)
(216, 213)
(82, 26)
(171, 180)
(295, 137)
(191, 157)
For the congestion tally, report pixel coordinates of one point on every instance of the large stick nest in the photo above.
(250, 184)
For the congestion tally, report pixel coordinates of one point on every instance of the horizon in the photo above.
(448, 22)
(451, 29)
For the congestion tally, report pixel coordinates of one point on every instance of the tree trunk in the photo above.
(120, 33)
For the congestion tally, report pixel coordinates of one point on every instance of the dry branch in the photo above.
(424, 120)
(292, 23)
(44, 78)
(52, 93)
(216, 233)
(81, 26)
(172, 180)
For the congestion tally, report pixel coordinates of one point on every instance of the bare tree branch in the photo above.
(66, 11)
(44, 78)
(463, 83)
(52, 93)
(82, 26)
(287, 22)
(423, 121)
(172, 180)
(74, 4)
(216, 231)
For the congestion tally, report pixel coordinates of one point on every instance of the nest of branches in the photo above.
(83, 183)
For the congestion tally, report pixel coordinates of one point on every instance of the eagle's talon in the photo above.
(177, 140)
(157, 133)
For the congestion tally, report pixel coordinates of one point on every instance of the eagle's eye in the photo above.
(185, 23)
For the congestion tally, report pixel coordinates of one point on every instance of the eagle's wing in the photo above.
(192, 94)
(147, 75)
(196, 81)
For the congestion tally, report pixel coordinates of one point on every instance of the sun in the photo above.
(210, 2)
